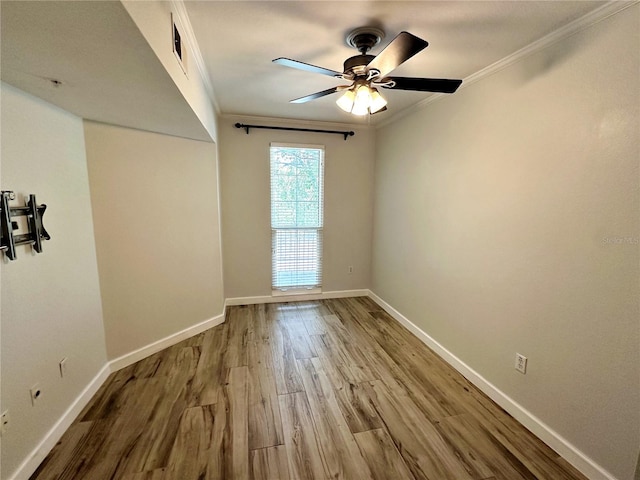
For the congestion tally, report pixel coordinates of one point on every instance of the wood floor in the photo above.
(312, 390)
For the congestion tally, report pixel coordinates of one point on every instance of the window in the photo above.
(297, 197)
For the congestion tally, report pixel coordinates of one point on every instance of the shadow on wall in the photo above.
(545, 61)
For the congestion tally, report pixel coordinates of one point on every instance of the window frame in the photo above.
(297, 289)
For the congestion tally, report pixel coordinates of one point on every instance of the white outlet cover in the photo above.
(521, 363)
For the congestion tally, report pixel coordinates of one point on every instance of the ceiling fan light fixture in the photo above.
(361, 100)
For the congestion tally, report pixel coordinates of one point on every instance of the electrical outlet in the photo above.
(521, 363)
(4, 422)
(63, 367)
(36, 394)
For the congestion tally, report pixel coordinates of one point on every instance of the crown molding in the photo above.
(180, 10)
(588, 20)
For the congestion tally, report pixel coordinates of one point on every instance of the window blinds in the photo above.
(297, 197)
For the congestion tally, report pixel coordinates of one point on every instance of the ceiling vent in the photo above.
(179, 48)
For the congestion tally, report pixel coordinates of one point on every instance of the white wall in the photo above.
(155, 208)
(245, 196)
(50, 301)
(507, 220)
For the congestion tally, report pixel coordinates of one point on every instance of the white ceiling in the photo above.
(110, 73)
(239, 39)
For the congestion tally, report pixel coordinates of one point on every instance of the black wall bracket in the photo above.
(33, 212)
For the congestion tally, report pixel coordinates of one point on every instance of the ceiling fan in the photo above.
(368, 72)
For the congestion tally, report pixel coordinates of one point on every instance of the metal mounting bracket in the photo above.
(34, 214)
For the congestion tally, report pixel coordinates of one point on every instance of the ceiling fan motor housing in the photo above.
(357, 65)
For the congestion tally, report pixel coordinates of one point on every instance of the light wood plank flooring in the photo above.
(333, 389)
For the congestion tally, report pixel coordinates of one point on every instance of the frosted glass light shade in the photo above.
(345, 102)
(362, 101)
(377, 101)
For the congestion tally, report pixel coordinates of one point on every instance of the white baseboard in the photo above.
(298, 297)
(143, 352)
(31, 463)
(568, 451)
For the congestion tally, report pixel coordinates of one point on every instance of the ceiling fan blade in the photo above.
(401, 49)
(313, 96)
(287, 62)
(439, 85)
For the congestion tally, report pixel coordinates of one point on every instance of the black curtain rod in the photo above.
(247, 127)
